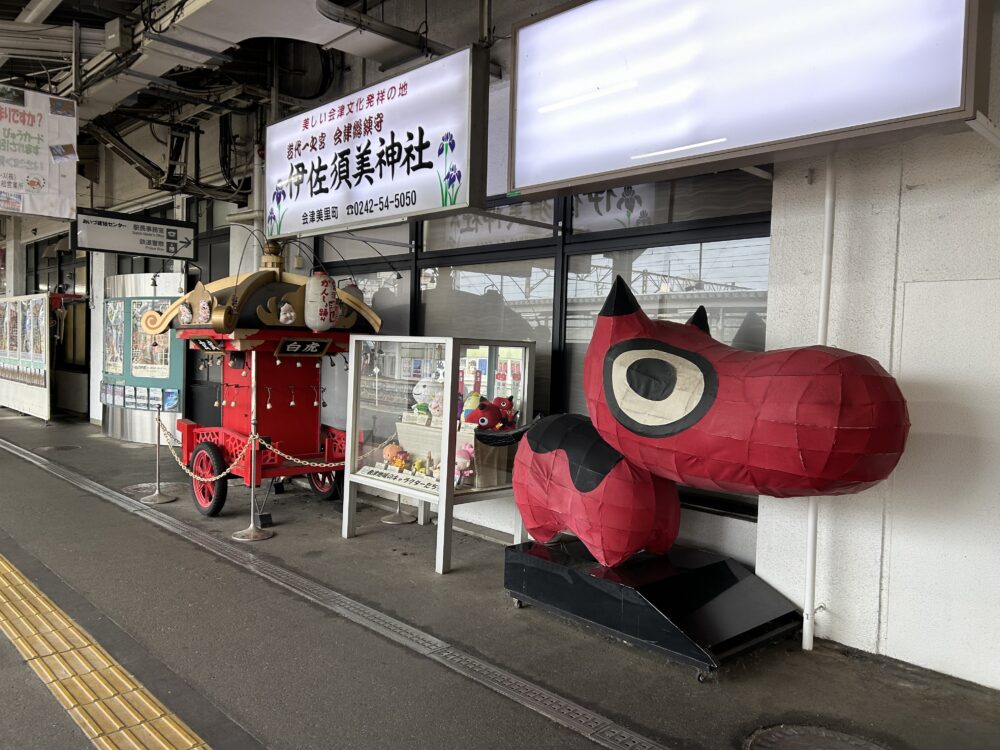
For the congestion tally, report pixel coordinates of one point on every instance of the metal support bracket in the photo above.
(211, 54)
(985, 127)
(758, 172)
(76, 63)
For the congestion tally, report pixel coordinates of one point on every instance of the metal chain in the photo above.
(170, 446)
(301, 462)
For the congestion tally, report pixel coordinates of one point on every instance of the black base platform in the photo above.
(697, 607)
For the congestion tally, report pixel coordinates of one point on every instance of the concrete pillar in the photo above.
(17, 260)
(102, 265)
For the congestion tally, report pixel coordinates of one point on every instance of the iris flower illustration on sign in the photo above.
(451, 182)
(629, 200)
(276, 214)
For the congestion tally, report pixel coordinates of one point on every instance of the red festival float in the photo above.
(271, 330)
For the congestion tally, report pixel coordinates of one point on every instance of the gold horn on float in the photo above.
(220, 304)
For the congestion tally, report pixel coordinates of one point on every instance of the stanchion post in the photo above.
(253, 532)
(157, 498)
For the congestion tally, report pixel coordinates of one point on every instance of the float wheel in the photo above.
(207, 461)
(326, 484)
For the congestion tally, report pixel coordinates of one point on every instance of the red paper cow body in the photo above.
(670, 404)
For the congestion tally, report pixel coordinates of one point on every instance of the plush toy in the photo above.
(471, 403)
(486, 416)
(401, 460)
(390, 452)
(436, 405)
(426, 389)
(507, 411)
(464, 458)
(422, 408)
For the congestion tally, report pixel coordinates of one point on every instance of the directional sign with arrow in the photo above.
(110, 232)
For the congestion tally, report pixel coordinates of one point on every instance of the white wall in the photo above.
(904, 568)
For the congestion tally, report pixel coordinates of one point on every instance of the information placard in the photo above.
(106, 231)
(37, 154)
(407, 146)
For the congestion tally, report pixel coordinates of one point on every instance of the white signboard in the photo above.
(617, 87)
(109, 232)
(403, 147)
(37, 154)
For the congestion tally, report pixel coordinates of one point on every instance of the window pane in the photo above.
(393, 239)
(728, 278)
(390, 298)
(687, 199)
(468, 229)
(494, 301)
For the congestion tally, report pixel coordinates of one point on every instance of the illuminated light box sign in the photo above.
(407, 146)
(106, 231)
(613, 88)
(37, 154)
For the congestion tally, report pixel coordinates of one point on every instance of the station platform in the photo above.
(308, 640)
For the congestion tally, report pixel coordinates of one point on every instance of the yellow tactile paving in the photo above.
(111, 707)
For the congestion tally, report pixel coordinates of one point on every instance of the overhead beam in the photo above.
(36, 11)
(364, 22)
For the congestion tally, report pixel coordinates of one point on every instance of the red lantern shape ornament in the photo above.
(669, 404)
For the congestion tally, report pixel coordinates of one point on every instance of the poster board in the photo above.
(37, 154)
(140, 371)
(25, 355)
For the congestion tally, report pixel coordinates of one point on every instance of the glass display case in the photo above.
(414, 408)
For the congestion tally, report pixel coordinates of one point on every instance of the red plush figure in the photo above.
(506, 406)
(486, 416)
(670, 404)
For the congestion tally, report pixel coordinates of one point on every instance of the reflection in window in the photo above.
(467, 229)
(492, 301)
(686, 199)
(389, 297)
(392, 239)
(729, 278)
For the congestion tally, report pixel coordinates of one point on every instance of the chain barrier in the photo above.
(169, 439)
(171, 444)
(300, 461)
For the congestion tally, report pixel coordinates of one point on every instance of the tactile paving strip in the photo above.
(567, 713)
(111, 706)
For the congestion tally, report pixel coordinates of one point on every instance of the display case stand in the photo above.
(696, 607)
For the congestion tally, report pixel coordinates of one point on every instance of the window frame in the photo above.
(562, 246)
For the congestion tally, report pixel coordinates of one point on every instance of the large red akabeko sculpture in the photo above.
(669, 404)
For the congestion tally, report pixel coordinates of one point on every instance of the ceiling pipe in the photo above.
(36, 11)
(486, 22)
(364, 22)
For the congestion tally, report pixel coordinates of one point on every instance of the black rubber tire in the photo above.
(334, 491)
(220, 487)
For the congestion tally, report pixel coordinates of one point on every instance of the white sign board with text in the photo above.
(37, 154)
(403, 147)
(105, 231)
(614, 88)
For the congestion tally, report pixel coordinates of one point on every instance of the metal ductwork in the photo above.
(204, 30)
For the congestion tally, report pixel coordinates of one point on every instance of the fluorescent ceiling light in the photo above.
(675, 149)
(590, 96)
